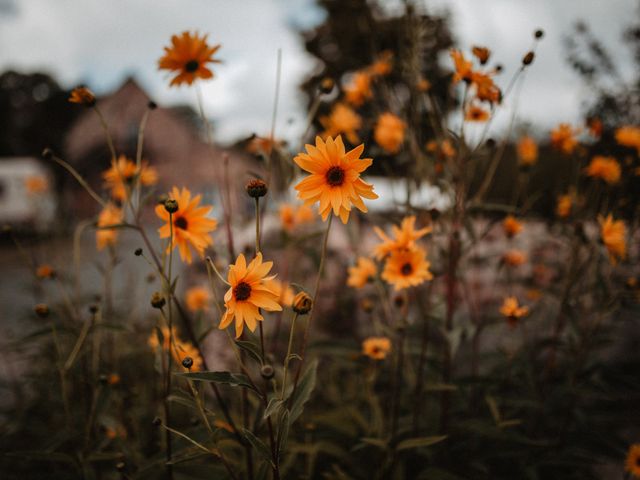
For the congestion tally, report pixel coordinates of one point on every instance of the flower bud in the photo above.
(528, 58)
(47, 153)
(302, 303)
(137, 252)
(171, 205)
(187, 362)
(267, 372)
(83, 96)
(152, 105)
(257, 188)
(158, 300)
(326, 85)
(538, 33)
(42, 310)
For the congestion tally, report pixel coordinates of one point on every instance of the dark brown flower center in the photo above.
(406, 269)
(191, 66)
(242, 291)
(181, 223)
(376, 350)
(335, 176)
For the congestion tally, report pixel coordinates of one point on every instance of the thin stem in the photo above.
(105, 127)
(169, 353)
(286, 359)
(80, 180)
(143, 124)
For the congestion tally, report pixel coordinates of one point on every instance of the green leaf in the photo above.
(419, 442)
(376, 442)
(283, 432)
(227, 378)
(259, 445)
(272, 407)
(303, 392)
(252, 349)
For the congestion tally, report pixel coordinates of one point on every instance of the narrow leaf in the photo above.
(419, 442)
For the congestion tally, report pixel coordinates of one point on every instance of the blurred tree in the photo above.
(34, 114)
(352, 37)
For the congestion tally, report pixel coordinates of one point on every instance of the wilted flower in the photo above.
(197, 299)
(342, 120)
(481, 53)
(191, 226)
(188, 57)
(613, 233)
(361, 273)
(389, 132)
(110, 215)
(335, 178)
(83, 96)
(527, 151)
(605, 168)
(248, 292)
(376, 348)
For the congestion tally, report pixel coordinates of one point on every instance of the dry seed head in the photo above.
(42, 310)
(528, 58)
(257, 188)
(267, 372)
(158, 300)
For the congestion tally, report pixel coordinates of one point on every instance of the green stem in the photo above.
(286, 359)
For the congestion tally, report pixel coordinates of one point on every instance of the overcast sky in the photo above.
(100, 43)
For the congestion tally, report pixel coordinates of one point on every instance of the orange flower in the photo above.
(404, 237)
(291, 216)
(358, 89)
(110, 215)
(264, 145)
(113, 379)
(511, 226)
(605, 168)
(83, 96)
(360, 274)
(45, 271)
(197, 299)
(335, 178)
(563, 138)
(632, 462)
(481, 53)
(527, 151)
(248, 293)
(407, 268)
(191, 226)
(36, 184)
(564, 205)
(514, 258)
(613, 234)
(628, 136)
(180, 350)
(283, 291)
(513, 311)
(462, 66)
(376, 348)
(389, 132)
(342, 119)
(423, 85)
(594, 124)
(382, 65)
(122, 175)
(475, 113)
(188, 56)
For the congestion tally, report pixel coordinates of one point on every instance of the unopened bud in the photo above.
(171, 205)
(326, 85)
(302, 303)
(152, 105)
(47, 153)
(257, 188)
(158, 300)
(267, 372)
(137, 252)
(42, 310)
(528, 58)
(187, 362)
(538, 33)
